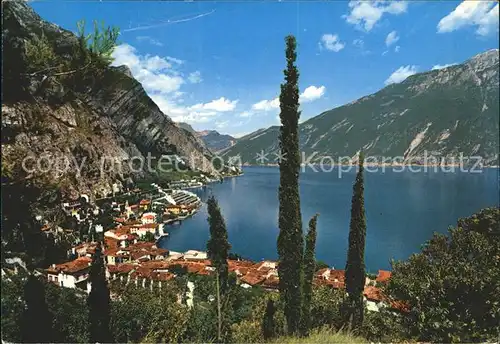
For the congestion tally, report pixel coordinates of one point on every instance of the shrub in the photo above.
(454, 283)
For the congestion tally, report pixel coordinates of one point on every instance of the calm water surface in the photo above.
(402, 210)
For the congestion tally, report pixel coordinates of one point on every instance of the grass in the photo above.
(323, 336)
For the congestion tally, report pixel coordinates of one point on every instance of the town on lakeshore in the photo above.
(139, 218)
(166, 172)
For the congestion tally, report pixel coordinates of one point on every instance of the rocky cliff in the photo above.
(112, 119)
(445, 112)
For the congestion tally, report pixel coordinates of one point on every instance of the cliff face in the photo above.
(84, 130)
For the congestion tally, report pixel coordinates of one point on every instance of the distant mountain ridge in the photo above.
(212, 139)
(446, 112)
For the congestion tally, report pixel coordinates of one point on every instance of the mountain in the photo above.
(216, 141)
(211, 138)
(85, 119)
(448, 111)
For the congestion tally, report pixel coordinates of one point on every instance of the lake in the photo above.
(403, 209)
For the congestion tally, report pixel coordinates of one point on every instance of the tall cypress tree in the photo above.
(218, 245)
(36, 326)
(290, 240)
(98, 301)
(268, 325)
(355, 266)
(309, 269)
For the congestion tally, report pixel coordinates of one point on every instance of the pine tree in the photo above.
(36, 326)
(268, 326)
(309, 269)
(355, 266)
(98, 301)
(218, 245)
(290, 240)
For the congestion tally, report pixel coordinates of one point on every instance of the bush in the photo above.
(454, 283)
(326, 307)
(384, 326)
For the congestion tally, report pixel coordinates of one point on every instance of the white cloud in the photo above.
(397, 48)
(221, 124)
(150, 40)
(162, 81)
(220, 105)
(174, 60)
(365, 14)
(312, 93)
(195, 77)
(391, 38)
(266, 105)
(438, 66)
(153, 72)
(358, 43)
(401, 74)
(331, 42)
(481, 14)
(246, 114)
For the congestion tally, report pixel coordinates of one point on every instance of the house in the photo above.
(73, 274)
(148, 218)
(142, 229)
(195, 255)
(144, 204)
(374, 298)
(383, 276)
(330, 277)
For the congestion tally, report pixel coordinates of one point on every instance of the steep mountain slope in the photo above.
(112, 119)
(212, 139)
(444, 112)
(216, 141)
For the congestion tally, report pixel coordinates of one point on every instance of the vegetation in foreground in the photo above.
(451, 287)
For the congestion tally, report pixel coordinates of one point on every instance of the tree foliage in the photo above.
(36, 326)
(355, 265)
(99, 300)
(268, 326)
(453, 285)
(218, 246)
(290, 240)
(309, 270)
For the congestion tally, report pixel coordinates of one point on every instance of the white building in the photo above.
(72, 274)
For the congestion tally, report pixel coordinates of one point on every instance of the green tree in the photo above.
(268, 326)
(98, 301)
(218, 246)
(290, 239)
(452, 285)
(355, 266)
(148, 237)
(309, 270)
(36, 326)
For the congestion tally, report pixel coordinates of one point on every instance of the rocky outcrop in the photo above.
(112, 121)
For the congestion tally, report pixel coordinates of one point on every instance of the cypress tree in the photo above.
(290, 240)
(98, 301)
(36, 326)
(309, 269)
(218, 246)
(355, 266)
(268, 326)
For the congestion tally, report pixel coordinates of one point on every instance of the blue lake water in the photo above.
(403, 209)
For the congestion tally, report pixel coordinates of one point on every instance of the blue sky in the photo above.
(219, 65)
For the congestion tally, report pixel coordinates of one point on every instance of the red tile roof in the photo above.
(272, 282)
(374, 294)
(383, 276)
(71, 267)
(253, 278)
